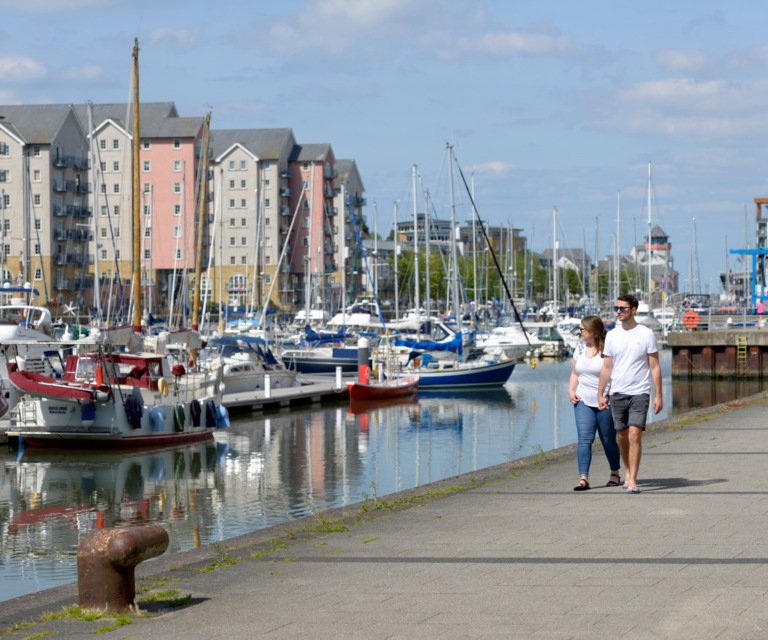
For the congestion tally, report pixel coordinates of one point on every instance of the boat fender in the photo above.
(134, 411)
(210, 414)
(222, 417)
(162, 387)
(179, 417)
(195, 411)
(157, 419)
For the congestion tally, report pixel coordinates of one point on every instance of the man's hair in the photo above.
(629, 299)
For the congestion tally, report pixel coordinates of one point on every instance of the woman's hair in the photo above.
(596, 329)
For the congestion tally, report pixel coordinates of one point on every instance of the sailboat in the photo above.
(97, 396)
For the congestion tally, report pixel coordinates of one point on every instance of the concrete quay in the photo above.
(507, 552)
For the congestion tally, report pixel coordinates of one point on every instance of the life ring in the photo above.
(691, 319)
(162, 387)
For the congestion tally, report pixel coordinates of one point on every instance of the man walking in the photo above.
(630, 365)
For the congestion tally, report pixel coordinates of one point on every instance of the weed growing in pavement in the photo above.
(223, 559)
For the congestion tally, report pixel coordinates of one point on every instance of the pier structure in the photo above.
(740, 352)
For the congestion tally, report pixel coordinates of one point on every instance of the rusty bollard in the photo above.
(106, 560)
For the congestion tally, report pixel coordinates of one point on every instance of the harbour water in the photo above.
(267, 470)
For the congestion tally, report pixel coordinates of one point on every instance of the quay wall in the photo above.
(741, 352)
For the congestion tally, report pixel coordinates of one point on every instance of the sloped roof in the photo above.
(263, 143)
(310, 152)
(37, 123)
(158, 119)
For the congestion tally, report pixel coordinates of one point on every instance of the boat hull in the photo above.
(466, 376)
(396, 388)
(82, 440)
(308, 361)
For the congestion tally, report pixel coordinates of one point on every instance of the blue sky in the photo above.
(548, 104)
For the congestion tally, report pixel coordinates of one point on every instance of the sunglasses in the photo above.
(621, 309)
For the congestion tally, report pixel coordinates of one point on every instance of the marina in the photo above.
(271, 468)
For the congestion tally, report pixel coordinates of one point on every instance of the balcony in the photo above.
(285, 210)
(285, 192)
(285, 174)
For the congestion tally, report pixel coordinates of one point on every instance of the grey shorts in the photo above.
(629, 411)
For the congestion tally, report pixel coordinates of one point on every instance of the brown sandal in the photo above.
(583, 485)
(615, 480)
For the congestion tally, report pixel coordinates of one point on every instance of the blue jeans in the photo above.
(590, 420)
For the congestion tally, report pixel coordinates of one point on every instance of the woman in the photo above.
(582, 389)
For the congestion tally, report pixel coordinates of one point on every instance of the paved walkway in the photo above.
(517, 555)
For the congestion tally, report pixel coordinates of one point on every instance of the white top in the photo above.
(588, 371)
(629, 350)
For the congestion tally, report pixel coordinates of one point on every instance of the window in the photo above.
(103, 166)
(116, 165)
(103, 232)
(104, 210)
(267, 279)
(147, 210)
(306, 242)
(231, 184)
(243, 260)
(145, 143)
(116, 210)
(242, 222)
(231, 165)
(116, 187)
(6, 249)
(231, 242)
(146, 254)
(177, 232)
(115, 143)
(37, 250)
(266, 222)
(102, 144)
(36, 177)
(147, 232)
(267, 164)
(178, 254)
(5, 150)
(147, 165)
(38, 273)
(4, 175)
(267, 260)
(242, 184)
(103, 187)
(103, 252)
(116, 231)
(244, 241)
(231, 259)
(147, 187)
(117, 254)
(37, 224)
(7, 200)
(6, 225)
(231, 222)
(231, 203)
(177, 165)
(177, 209)
(176, 143)
(266, 202)
(36, 151)
(266, 183)
(243, 165)
(177, 187)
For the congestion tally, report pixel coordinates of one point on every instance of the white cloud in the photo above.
(492, 168)
(335, 25)
(21, 70)
(677, 60)
(182, 38)
(688, 108)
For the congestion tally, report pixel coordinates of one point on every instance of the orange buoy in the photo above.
(691, 319)
(99, 375)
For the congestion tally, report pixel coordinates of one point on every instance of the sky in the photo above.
(547, 105)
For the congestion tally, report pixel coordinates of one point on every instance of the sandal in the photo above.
(615, 480)
(632, 489)
(582, 486)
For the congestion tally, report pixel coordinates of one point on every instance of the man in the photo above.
(630, 365)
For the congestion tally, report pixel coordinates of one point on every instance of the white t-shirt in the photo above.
(629, 349)
(588, 371)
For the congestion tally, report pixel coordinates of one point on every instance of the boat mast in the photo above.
(555, 291)
(135, 201)
(343, 256)
(454, 256)
(95, 227)
(649, 253)
(202, 199)
(397, 254)
(416, 300)
(616, 257)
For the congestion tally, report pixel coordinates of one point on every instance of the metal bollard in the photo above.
(106, 560)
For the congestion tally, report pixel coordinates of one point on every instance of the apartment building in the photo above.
(347, 250)
(252, 212)
(169, 165)
(44, 207)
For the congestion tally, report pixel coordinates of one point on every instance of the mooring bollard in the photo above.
(106, 560)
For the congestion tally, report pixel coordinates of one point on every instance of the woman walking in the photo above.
(590, 419)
